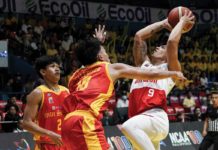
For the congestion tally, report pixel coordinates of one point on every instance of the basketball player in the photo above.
(43, 115)
(148, 123)
(90, 90)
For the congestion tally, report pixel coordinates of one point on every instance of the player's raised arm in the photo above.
(100, 33)
(140, 50)
(173, 41)
(119, 70)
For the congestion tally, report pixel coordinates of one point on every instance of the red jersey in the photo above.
(90, 89)
(148, 94)
(50, 111)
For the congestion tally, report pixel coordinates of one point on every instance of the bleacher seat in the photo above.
(181, 98)
(179, 109)
(2, 105)
(174, 101)
(171, 113)
(197, 101)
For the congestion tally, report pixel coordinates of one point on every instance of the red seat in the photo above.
(181, 98)
(197, 101)
(171, 113)
(174, 101)
(179, 109)
(2, 105)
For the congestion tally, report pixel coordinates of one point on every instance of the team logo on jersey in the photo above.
(49, 94)
(53, 107)
(50, 100)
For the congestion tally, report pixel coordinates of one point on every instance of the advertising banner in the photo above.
(83, 9)
(182, 136)
(16, 141)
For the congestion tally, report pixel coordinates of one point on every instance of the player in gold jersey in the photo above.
(43, 114)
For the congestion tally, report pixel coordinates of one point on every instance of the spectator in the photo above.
(66, 42)
(12, 101)
(106, 121)
(189, 102)
(11, 115)
(197, 116)
(203, 79)
(19, 127)
(122, 102)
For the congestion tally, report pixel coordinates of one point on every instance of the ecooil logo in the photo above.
(31, 6)
(101, 11)
(185, 138)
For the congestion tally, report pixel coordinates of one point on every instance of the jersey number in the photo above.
(59, 124)
(151, 92)
(83, 83)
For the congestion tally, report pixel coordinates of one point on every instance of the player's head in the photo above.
(159, 53)
(48, 68)
(90, 50)
(214, 98)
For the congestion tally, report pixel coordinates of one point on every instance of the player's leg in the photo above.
(72, 133)
(83, 131)
(161, 126)
(156, 145)
(138, 130)
(94, 134)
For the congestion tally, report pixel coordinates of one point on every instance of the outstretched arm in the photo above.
(173, 42)
(119, 70)
(140, 47)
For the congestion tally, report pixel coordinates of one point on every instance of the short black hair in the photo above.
(87, 50)
(43, 61)
(214, 92)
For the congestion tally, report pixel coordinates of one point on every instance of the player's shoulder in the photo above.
(35, 94)
(37, 90)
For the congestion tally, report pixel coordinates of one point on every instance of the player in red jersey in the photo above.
(43, 114)
(148, 123)
(90, 90)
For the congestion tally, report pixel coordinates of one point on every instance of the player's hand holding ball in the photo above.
(181, 14)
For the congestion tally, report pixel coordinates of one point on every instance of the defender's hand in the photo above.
(100, 33)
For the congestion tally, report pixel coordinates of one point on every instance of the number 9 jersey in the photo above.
(148, 94)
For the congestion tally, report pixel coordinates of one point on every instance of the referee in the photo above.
(210, 130)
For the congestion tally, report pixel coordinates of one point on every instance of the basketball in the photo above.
(174, 16)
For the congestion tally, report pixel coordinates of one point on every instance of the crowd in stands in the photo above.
(32, 36)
